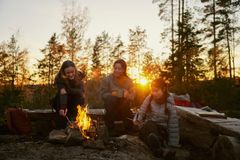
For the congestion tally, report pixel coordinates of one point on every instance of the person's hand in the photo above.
(136, 122)
(63, 91)
(63, 112)
(114, 93)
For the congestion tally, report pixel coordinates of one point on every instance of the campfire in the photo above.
(84, 123)
(88, 129)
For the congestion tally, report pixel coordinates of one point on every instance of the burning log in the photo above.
(97, 116)
(74, 137)
(83, 121)
(88, 130)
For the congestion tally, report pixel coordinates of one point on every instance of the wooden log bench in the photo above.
(211, 130)
(42, 121)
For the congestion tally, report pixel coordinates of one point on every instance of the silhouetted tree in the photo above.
(185, 65)
(74, 24)
(101, 51)
(49, 66)
(137, 45)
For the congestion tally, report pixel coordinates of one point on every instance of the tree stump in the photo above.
(226, 148)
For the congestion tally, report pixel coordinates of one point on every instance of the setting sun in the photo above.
(143, 81)
(136, 75)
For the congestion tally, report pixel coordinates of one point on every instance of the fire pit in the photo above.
(88, 129)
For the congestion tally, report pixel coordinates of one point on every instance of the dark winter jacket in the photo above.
(74, 89)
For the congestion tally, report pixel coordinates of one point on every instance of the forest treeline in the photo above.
(199, 38)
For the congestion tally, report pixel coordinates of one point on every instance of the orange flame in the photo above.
(83, 121)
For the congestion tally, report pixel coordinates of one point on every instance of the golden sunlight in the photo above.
(143, 81)
(133, 72)
(137, 76)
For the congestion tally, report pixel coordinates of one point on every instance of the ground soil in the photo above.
(14, 147)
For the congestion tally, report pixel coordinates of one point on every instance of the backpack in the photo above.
(17, 121)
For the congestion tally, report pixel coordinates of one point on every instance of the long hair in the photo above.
(123, 65)
(61, 74)
(161, 84)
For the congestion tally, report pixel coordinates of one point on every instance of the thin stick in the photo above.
(68, 120)
(130, 119)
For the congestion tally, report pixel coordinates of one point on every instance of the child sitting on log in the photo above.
(158, 121)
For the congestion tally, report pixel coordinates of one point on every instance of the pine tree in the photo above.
(86, 57)
(185, 65)
(4, 58)
(16, 62)
(49, 66)
(222, 12)
(118, 49)
(136, 46)
(220, 61)
(75, 21)
(101, 52)
(151, 67)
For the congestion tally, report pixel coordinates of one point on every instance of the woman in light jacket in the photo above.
(117, 91)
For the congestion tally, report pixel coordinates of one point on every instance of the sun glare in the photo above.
(143, 81)
(136, 75)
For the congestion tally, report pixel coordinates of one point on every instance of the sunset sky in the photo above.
(35, 21)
